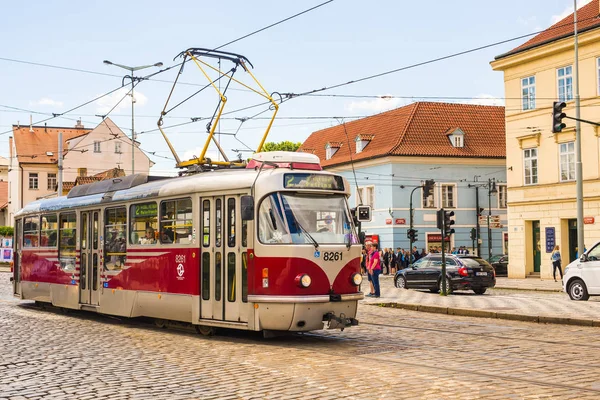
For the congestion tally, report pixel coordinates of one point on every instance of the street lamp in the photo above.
(133, 79)
(491, 190)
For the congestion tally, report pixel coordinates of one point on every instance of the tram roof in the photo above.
(130, 189)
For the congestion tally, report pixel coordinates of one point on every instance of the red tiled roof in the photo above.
(588, 17)
(3, 194)
(33, 147)
(82, 180)
(111, 173)
(419, 129)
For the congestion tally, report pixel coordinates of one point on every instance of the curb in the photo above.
(530, 289)
(469, 312)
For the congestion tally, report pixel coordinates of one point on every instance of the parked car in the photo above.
(500, 264)
(582, 277)
(464, 272)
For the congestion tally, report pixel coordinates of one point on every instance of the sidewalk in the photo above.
(546, 285)
(532, 300)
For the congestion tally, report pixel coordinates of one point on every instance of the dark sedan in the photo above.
(463, 272)
(500, 264)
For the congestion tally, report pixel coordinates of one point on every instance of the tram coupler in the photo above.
(341, 322)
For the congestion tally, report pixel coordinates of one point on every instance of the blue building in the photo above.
(388, 156)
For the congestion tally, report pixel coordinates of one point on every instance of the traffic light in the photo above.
(448, 222)
(473, 234)
(557, 116)
(412, 234)
(440, 219)
(428, 188)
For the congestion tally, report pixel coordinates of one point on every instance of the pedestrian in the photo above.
(415, 255)
(370, 253)
(454, 251)
(374, 271)
(556, 260)
(393, 261)
(423, 254)
(386, 261)
(363, 261)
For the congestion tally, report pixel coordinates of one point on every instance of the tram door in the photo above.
(89, 271)
(221, 262)
(17, 258)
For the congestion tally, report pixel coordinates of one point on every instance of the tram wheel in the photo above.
(205, 330)
(160, 323)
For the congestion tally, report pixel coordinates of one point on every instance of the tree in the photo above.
(281, 146)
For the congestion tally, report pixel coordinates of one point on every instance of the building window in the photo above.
(51, 181)
(458, 141)
(565, 83)
(117, 147)
(598, 68)
(530, 166)
(429, 201)
(449, 195)
(96, 146)
(81, 172)
(362, 141)
(528, 93)
(366, 196)
(33, 180)
(567, 161)
(501, 196)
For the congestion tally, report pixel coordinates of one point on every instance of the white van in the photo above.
(582, 277)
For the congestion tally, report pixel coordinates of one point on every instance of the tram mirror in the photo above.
(247, 205)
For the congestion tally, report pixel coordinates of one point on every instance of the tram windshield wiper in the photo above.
(306, 233)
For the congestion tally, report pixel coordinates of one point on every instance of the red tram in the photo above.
(270, 247)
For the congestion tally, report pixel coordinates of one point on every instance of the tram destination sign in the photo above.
(313, 181)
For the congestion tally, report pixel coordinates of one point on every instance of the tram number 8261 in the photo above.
(332, 256)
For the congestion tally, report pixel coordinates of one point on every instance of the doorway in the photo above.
(572, 239)
(537, 252)
(89, 258)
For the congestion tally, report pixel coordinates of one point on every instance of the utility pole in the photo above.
(578, 164)
(477, 214)
(59, 189)
(491, 189)
(133, 79)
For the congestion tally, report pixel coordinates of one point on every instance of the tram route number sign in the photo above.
(313, 181)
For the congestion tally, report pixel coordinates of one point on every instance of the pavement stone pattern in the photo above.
(541, 303)
(392, 354)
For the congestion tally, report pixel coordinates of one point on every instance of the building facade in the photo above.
(33, 170)
(542, 208)
(388, 157)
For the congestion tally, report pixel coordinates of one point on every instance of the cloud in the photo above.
(531, 23)
(45, 101)
(375, 105)
(486, 100)
(568, 11)
(105, 104)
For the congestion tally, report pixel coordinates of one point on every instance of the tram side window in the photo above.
(176, 221)
(49, 230)
(115, 232)
(231, 222)
(143, 229)
(31, 232)
(206, 223)
(67, 234)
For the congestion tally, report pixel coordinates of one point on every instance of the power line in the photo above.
(431, 61)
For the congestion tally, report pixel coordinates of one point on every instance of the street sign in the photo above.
(400, 221)
(550, 239)
(494, 221)
(588, 220)
(388, 221)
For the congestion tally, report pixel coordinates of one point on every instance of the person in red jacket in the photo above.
(374, 268)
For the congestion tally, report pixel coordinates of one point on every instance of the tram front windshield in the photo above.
(305, 219)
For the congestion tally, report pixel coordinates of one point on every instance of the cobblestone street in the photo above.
(393, 354)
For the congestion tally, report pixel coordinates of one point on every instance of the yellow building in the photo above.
(540, 164)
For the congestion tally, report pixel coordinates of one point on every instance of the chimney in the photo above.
(46, 127)
(31, 123)
(79, 124)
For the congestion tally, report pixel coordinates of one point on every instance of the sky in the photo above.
(338, 42)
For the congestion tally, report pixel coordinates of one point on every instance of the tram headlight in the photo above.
(303, 280)
(357, 279)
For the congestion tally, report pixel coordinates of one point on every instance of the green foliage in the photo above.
(281, 146)
(6, 231)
